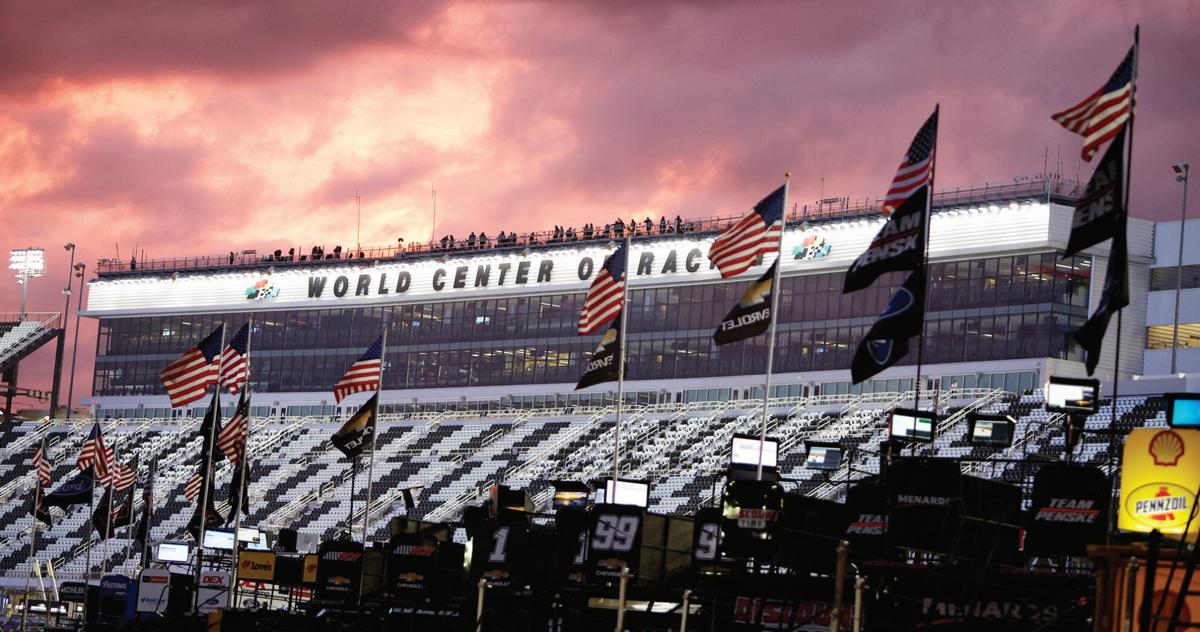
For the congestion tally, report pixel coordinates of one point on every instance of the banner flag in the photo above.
(898, 246)
(76, 491)
(355, 434)
(887, 340)
(752, 315)
(1115, 296)
(1100, 214)
(602, 367)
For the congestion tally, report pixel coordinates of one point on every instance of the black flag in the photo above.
(602, 367)
(212, 416)
(122, 512)
(887, 340)
(1115, 296)
(40, 510)
(102, 515)
(1100, 214)
(76, 491)
(898, 246)
(212, 517)
(752, 315)
(355, 434)
(239, 490)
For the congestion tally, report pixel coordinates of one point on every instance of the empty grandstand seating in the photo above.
(19, 338)
(301, 481)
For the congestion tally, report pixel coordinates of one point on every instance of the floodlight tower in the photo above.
(27, 263)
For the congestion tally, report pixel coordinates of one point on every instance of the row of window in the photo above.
(975, 315)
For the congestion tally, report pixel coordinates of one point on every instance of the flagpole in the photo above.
(1112, 423)
(208, 473)
(353, 491)
(242, 487)
(131, 527)
(775, 292)
(624, 315)
(108, 527)
(37, 501)
(87, 573)
(374, 434)
(926, 224)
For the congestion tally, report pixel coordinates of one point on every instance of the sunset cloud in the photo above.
(200, 128)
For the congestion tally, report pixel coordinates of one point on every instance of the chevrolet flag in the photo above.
(887, 340)
(898, 246)
(752, 315)
(1100, 214)
(602, 367)
(355, 434)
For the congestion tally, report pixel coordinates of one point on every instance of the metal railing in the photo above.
(1039, 186)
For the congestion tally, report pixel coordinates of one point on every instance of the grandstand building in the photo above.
(495, 328)
(482, 359)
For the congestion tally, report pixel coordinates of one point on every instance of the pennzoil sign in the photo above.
(1159, 474)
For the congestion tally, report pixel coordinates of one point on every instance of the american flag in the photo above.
(126, 475)
(231, 440)
(1099, 117)
(41, 464)
(603, 300)
(192, 489)
(95, 454)
(916, 168)
(188, 378)
(757, 233)
(363, 375)
(234, 369)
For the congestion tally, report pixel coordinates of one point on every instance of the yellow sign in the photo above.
(258, 565)
(310, 569)
(1160, 471)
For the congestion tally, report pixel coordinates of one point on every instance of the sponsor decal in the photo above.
(1166, 448)
(749, 518)
(342, 556)
(990, 609)
(918, 499)
(262, 290)
(1074, 510)
(1159, 473)
(776, 614)
(868, 524)
(811, 247)
(414, 550)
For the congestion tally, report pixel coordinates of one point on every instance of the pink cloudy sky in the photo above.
(193, 128)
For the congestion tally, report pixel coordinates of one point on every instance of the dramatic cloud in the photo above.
(200, 128)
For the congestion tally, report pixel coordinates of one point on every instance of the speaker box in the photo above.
(286, 541)
(182, 595)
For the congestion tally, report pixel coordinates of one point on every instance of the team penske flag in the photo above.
(752, 315)
(898, 246)
(1100, 214)
(602, 367)
(354, 435)
(887, 340)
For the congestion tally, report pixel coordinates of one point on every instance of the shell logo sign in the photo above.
(1159, 474)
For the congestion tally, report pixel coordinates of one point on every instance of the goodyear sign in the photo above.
(1159, 475)
(256, 565)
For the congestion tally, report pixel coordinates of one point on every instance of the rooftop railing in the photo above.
(1035, 187)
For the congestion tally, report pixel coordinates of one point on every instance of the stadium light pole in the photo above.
(79, 269)
(28, 263)
(1181, 175)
